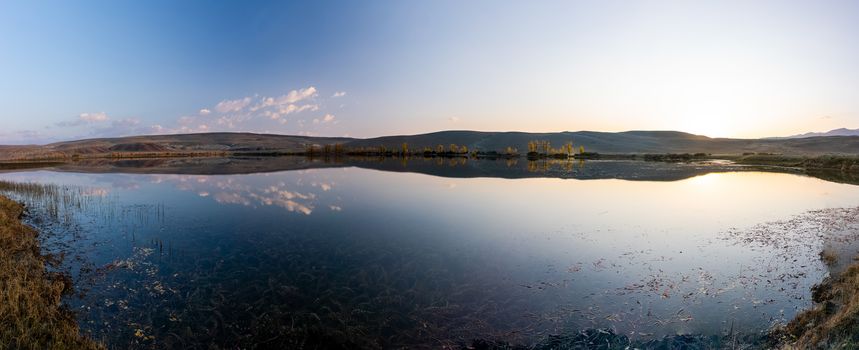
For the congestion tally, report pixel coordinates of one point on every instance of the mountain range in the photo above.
(834, 132)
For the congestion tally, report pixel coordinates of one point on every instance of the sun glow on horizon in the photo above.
(738, 69)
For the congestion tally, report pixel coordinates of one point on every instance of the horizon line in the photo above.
(433, 132)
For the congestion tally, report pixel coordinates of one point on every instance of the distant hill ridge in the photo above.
(593, 141)
(834, 132)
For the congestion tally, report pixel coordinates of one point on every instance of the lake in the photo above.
(386, 256)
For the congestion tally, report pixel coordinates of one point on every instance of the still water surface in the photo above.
(386, 259)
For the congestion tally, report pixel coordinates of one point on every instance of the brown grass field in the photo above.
(31, 315)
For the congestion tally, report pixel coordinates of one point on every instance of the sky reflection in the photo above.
(576, 253)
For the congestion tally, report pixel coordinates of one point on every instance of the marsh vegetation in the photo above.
(31, 314)
(833, 321)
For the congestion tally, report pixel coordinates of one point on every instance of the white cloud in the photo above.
(253, 113)
(86, 118)
(239, 112)
(93, 117)
(279, 113)
(295, 109)
(325, 119)
(453, 119)
(288, 99)
(298, 95)
(227, 106)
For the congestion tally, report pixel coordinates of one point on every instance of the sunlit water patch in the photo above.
(378, 259)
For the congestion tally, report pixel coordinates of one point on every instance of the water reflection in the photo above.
(230, 191)
(260, 192)
(386, 259)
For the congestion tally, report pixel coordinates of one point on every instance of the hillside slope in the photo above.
(622, 142)
(602, 142)
(183, 143)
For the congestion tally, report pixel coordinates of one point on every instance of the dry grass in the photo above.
(834, 320)
(829, 257)
(31, 315)
(846, 164)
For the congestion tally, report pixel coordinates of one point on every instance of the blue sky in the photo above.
(722, 68)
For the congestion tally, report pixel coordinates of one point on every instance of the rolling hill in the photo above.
(603, 142)
(834, 132)
(217, 143)
(622, 142)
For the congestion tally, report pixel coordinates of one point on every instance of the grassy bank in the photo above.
(31, 315)
(833, 322)
(832, 162)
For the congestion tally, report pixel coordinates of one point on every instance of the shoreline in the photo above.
(842, 163)
(833, 320)
(519, 167)
(32, 315)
